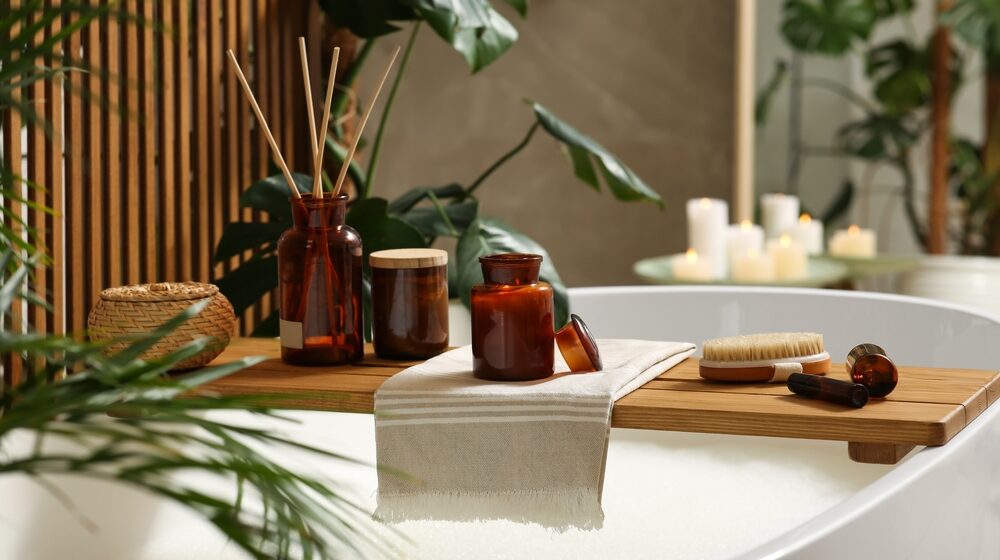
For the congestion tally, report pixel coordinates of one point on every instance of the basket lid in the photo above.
(408, 258)
(161, 291)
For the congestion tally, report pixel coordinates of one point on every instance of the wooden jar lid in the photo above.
(408, 258)
(160, 291)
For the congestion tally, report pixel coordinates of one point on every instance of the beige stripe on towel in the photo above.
(454, 447)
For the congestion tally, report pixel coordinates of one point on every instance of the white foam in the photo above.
(667, 495)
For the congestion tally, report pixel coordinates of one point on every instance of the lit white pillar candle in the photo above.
(809, 233)
(753, 266)
(707, 219)
(853, 242)
(743, 238)
(790, 260)
(690, 267)
(779, 212)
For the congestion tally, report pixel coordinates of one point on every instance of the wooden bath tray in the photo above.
(928, 407)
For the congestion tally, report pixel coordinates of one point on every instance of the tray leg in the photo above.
(878, 453)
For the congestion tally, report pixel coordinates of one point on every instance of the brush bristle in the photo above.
(764, 346)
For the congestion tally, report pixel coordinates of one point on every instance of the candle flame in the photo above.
(785, 240)
(705, 203)
(692, 255)
(853, 229)
(805, 218)
(746, 225)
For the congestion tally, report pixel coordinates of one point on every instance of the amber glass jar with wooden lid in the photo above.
(409, 303)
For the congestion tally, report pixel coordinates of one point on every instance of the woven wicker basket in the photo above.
(139, 309)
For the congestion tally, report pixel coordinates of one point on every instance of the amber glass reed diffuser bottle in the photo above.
(319, 263)
(512, 333)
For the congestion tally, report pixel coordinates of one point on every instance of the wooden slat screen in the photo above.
(150, 150)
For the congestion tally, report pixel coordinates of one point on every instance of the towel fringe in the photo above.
(560, 511)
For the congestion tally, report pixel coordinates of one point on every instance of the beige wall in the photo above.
(651, 80)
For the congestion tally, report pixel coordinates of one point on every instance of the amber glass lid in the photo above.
(408, 258)
(578, 347)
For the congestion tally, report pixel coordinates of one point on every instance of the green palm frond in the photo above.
(120, 418)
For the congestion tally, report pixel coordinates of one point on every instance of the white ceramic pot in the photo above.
(973, 281)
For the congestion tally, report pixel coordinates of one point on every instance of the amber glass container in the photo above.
(869, 365)
(512, 334)
(409, 303)
(319, 267)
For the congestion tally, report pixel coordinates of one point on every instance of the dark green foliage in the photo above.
(120, 418)
(877, 137)
(826, 27)
(487, 236)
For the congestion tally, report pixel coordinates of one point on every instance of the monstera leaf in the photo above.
(443, 220)
(977, 22)
(877, 137)
(487, 236)
(368, 18)
(884, 9)
(826, 26)
(901, 75)
(247, 283)
(593, 164)
(269, 195)
(379, 230)
(520, 5)
(472, 27)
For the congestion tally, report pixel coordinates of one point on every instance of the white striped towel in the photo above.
(454, 447)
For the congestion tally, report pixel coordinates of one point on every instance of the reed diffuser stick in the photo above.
(361, 126)
(304, 57)
(263, 123)
(321, 138)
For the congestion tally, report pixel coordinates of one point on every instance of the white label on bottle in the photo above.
(291, 333)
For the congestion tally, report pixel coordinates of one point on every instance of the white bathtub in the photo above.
(667, 495)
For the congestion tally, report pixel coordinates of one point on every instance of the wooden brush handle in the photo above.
(758, 374)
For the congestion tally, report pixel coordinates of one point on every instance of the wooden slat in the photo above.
(248, 152)
(56, 222)
(217, 187)
(202, 126)
(95, 183)
(788, 416)
(928, 407)
(113, 85)
(149, 187)
(13, 149)
(37, 167)
(231, 149)
(76, 233)
(185, 250)
(965, 387)
(270, 41)
(130, 92)
(167, 154)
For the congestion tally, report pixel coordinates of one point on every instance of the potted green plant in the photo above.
(913, 82)
(424, 215)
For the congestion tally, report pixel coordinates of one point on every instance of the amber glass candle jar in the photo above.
(512, 334)
(319, 287)
(409, 303)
